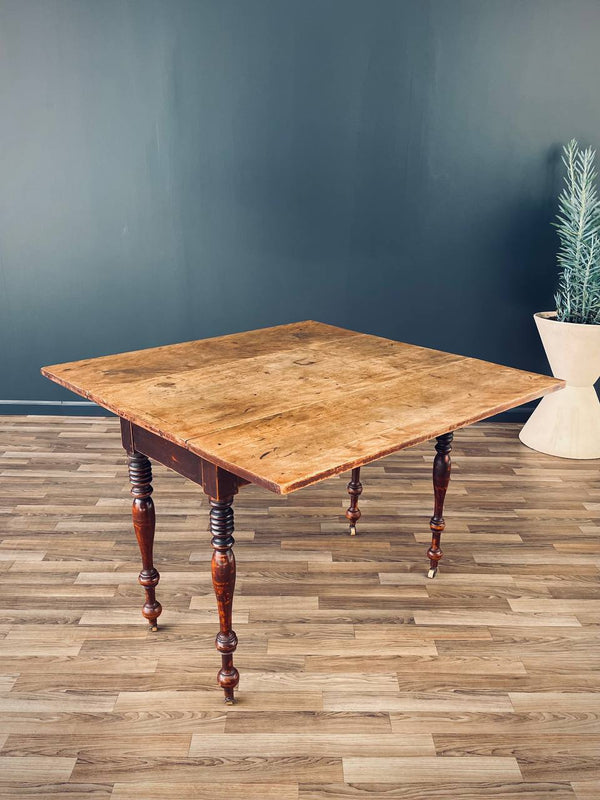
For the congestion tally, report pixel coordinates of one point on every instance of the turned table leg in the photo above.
(140, 476)
(223, 577)
(441, 478)
(354, 490)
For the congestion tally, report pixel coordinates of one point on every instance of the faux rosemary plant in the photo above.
(578, 226)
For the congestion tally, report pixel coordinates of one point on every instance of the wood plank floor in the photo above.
(360, 678)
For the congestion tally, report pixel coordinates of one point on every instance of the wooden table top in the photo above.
(287, 406)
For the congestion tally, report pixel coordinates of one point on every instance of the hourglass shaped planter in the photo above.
(567, 423)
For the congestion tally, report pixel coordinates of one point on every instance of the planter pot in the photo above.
(567, 423)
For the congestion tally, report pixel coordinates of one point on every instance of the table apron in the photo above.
(215, 480)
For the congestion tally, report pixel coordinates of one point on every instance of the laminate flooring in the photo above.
(360, 678)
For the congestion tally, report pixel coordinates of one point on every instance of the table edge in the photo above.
(283, 488)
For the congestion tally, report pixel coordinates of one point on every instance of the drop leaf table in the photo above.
(283, 408)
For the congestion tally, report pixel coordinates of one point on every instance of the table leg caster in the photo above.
(352, 530)
(153, 627)
(230, 699)
(432, 572)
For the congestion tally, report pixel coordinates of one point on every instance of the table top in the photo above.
(287, 406)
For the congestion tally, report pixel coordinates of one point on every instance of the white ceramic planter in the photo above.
(567, 423)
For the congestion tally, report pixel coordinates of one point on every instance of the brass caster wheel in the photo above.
(432, 573)
(352, 530)
(154, 627)
(229, 701)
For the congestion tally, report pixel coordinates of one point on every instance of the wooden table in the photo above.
(283, 408)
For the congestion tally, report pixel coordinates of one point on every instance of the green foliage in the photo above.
(578, 226)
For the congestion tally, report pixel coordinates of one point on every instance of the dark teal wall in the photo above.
(174, 170)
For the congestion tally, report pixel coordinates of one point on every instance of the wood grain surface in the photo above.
(360, 677)
(287, 406)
